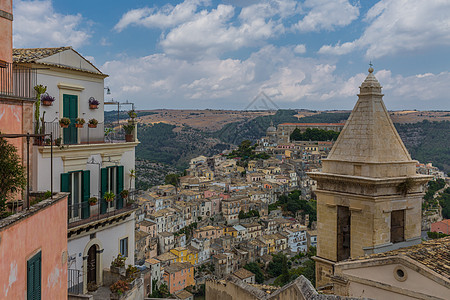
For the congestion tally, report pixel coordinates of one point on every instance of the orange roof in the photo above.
(314, 124)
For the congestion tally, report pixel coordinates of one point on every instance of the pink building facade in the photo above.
(33, 252)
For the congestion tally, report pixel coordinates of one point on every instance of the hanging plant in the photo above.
(92, 123)
(79, 122)
(132, 114)
(47, 100)
(93, 103)
(109, 196)
(40, 89)
(64, 122)
(93, 201)
(124, 194)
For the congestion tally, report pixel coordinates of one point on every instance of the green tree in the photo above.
(12, 173)
(255, 269)
(172, 179)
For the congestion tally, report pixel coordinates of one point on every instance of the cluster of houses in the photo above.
(218, 215)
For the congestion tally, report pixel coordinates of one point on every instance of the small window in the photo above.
(34, 277)
(124, 247)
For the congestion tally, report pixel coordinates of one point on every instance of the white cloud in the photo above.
(400, 26)
(300, 49)
(327, 14)
(160, 80)
(36, 24)
(197, 31)
(165, 17)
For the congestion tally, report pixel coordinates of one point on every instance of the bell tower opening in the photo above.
(343, 232)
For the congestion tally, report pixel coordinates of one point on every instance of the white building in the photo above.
(87, 165)
(297, 239)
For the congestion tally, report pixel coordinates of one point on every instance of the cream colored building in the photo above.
(368, 194)
(417, 272)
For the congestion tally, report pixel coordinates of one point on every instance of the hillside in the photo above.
(173, 145)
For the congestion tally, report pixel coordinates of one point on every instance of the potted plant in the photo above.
(128, 132)
(47, 100)
(92, 123)
(64, 122)
(132, 114)
(93, 103)
(109, 196)
(79, 122)
(58, 141)
(118, 289)
(124, 194)
(93, 201)
(118, 265)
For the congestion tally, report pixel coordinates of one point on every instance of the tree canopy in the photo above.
(12, 173)
(314, 134)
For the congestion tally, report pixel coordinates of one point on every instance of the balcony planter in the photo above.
(47, 100)
(109, 196)
(124, 194)
(92, 123)
(93, 103)
(129, 132)
(93, 201)
(64, 122)
(79, 123)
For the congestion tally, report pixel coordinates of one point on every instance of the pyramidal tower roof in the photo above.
(369, 136)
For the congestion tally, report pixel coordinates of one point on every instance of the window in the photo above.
(34, 277)
(78, 185)
(124, 247)
(397, 226)
(112, 181)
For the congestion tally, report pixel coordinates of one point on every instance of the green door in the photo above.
(70, 110)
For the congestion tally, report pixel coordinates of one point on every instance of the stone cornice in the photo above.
(418, 178)
(86, 150)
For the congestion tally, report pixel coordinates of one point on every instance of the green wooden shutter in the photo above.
(66, 114)
(34, 277)
(66, 187)
(119, 185)
(86, 194)
(73, 112)
(103, 188)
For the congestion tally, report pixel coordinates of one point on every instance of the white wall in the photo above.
(109, 239)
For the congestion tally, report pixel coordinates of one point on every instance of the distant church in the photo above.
(369, 204)
(282, 133)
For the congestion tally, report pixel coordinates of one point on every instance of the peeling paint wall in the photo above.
(45, 231)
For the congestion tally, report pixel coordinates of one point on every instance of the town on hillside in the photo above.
(307, 211)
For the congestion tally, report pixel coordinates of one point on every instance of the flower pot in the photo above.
(128, 137)
(92, 203)
(93, 106)
(92, 126)
(79, 125)
(47, 103)
(64, 126)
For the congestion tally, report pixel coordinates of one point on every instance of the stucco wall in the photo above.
(45, 231)
(108, 239)
(415, 282)
(6, 32)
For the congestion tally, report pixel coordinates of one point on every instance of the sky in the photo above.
(204, 54)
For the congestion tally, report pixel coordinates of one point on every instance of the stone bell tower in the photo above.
(369, 197)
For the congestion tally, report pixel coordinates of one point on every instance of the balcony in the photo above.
(103, 133)
(83, 213)
(17, 82)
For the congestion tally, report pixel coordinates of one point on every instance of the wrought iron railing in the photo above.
(75, 281)
(83, 212)
(17, 81)
(102, 133)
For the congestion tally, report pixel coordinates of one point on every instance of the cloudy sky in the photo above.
(201, 54)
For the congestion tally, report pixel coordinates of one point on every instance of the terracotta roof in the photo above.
(243, 273)
(177, 266)
(152, 261)
(139, 235)
(183, 294)
(434, 254)
(30, 55)
(166, 256)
